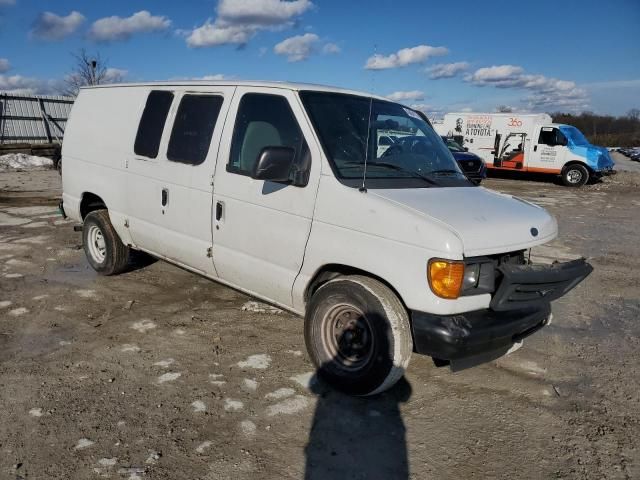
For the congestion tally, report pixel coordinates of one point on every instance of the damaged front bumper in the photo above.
(519, 307)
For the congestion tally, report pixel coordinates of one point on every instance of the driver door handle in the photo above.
(165, 197)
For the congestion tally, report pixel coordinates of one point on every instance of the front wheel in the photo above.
(358, 335)
(575, 175)
(105, 251)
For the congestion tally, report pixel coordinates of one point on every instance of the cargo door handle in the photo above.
(219, 210)
(165, 197)
(535, 148)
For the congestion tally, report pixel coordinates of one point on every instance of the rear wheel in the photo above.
(575, 175)
(105, 251)
(358, 335)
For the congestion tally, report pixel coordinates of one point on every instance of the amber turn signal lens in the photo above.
(445, 277)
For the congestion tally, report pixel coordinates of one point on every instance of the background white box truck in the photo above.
(528, 143)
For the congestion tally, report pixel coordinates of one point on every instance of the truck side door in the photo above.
(170, 174)
(261, 228)
(547, 151)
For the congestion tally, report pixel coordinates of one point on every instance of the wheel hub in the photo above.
(574, 176)
(348, 336)
(96, 243)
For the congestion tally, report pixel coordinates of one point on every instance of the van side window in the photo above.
(267, 121)
(193, 128)
(152, 123)
(551, 136)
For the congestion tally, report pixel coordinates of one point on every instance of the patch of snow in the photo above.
(260, 362)
(288, 406)
(305, 380)
(168, 377)
(199, 406)
(165, 363)
(249, 384)
(258, 307)
(232, 405)
(280, 393)
(203, 446)
(83, 443)
(248, 428)
(22, 161)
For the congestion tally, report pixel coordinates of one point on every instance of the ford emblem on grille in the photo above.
(534, 231)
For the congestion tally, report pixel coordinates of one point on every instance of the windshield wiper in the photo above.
(397, 168)
(445, 171)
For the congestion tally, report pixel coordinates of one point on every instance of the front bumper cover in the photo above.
(519, 307)
(453, 337)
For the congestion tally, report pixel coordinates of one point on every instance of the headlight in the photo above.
(446, 277)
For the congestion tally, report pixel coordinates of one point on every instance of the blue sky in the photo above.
(438, 56)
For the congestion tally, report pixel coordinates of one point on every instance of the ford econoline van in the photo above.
(281, 191)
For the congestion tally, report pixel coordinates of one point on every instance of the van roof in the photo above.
(239, 83)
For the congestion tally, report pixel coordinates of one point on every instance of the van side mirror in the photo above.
(274, 164)
(466, 149)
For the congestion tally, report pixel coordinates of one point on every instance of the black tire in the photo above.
(105, 251)
(358, 335)
(575, 175)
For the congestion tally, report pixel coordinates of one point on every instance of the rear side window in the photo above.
(193, 128)
(152, 123)
(266, 121)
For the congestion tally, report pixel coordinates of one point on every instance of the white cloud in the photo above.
(5, 66)
(117, 28)
(49, 26)
(331, 48)
(297, 48)
(261, 12)
(404, 57)
(239, 20)
(115, 75)
(446, 70)
(17, 84)
(546, 92)
(412, 95)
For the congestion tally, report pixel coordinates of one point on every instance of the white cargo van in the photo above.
(281, 191)
(528, 143)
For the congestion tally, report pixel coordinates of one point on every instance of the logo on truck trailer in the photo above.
(478, 126)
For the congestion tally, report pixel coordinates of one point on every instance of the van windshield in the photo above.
(574, 136)
(416, 158)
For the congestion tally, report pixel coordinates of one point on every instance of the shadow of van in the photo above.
(358, 437)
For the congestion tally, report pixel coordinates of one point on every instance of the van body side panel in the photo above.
(180, 230)
(101, 127)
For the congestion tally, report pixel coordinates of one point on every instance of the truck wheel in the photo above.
(575, 175)
(358, 335)
(105, 251)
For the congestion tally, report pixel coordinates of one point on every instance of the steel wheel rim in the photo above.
(96, 243)
(574, 176)
(348, 337)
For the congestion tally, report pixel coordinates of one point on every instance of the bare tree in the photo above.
(87, 70)
(634, 114)
(504, 109)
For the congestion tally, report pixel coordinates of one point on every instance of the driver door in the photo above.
(548, 153)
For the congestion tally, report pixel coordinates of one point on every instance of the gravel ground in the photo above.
(160, 374)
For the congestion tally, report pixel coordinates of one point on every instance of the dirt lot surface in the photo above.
(160, 374)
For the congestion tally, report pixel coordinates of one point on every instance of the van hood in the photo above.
(486, 222)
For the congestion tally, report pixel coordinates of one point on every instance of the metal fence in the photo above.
(33, 119)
